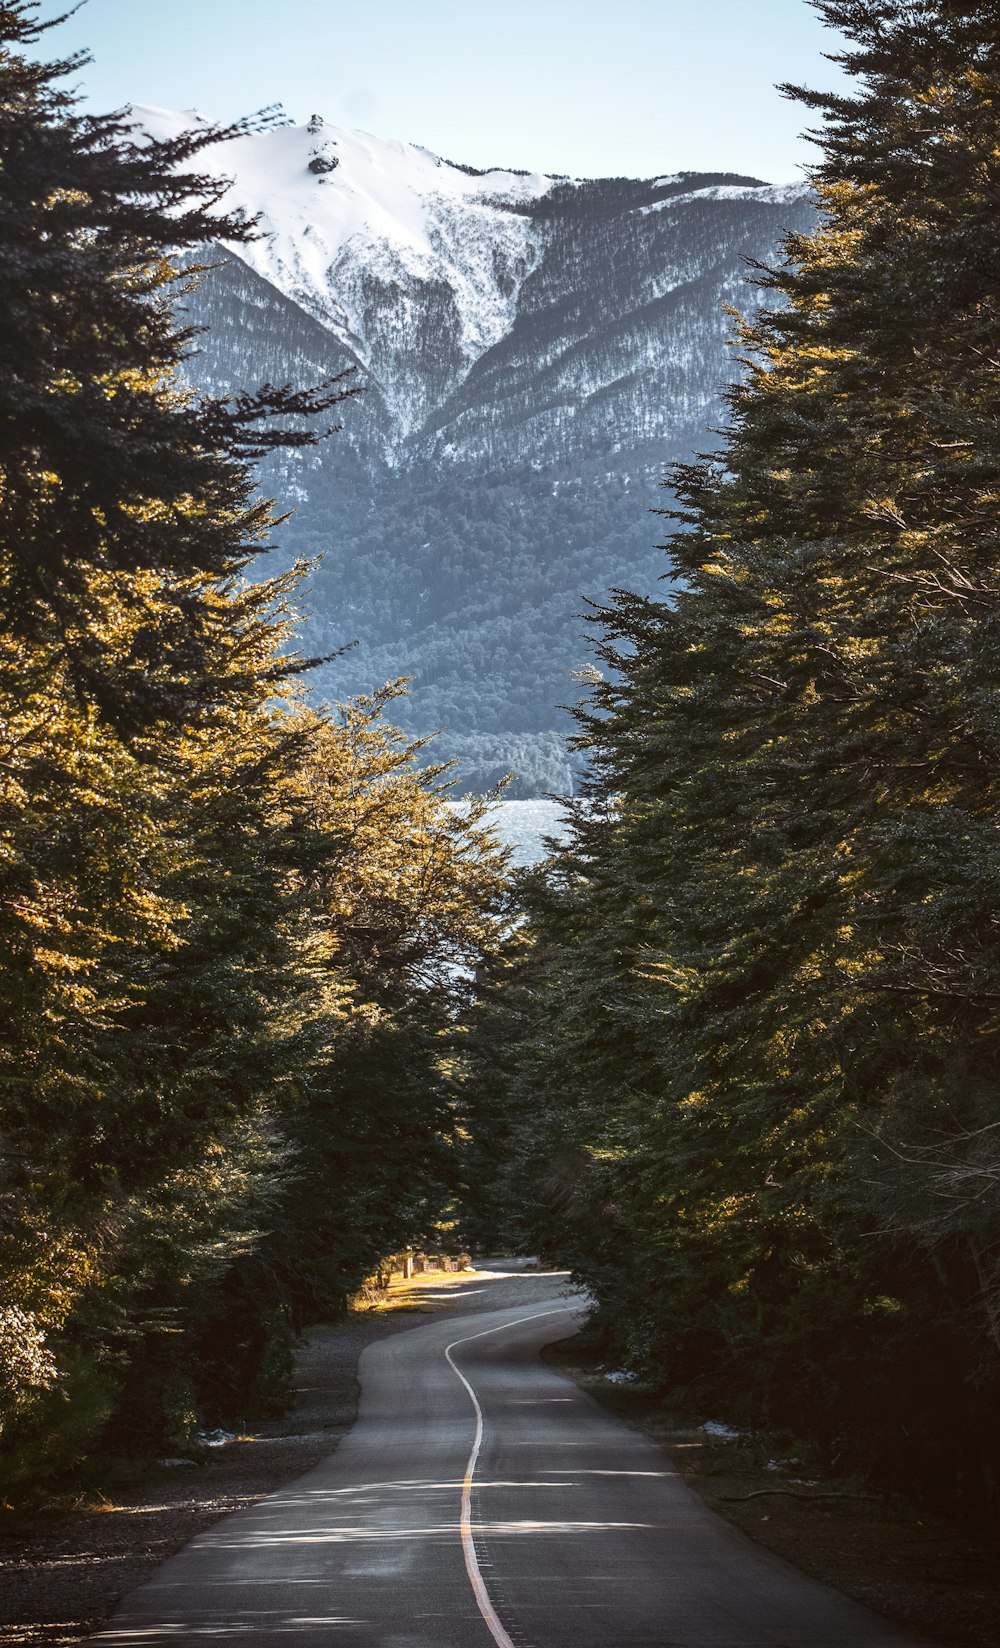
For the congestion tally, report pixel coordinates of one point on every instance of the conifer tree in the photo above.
(210, 897)
(787, 879)
(130, 661)
(122, 493)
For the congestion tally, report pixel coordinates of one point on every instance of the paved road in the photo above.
(481, 1501)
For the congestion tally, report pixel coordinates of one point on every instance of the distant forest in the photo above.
(479, 596)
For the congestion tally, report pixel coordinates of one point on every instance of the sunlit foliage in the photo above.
(235, 931)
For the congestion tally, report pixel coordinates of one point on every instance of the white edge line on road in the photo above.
(476, 1580)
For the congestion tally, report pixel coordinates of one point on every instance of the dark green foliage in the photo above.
(766, 972)
(233, 932)
(105, 474)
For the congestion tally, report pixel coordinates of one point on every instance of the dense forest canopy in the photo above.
(747, 1053)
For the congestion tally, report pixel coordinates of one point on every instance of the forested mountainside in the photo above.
(532, 351)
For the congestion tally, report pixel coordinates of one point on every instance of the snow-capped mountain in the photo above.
(534, 349)
(352, 226)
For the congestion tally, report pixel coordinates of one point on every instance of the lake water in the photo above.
(521, 825)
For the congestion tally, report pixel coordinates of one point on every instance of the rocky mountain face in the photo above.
(533, 350)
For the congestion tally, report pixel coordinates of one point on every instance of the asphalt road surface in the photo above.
(482, 1501)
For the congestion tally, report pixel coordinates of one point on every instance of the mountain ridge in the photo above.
(534, 350)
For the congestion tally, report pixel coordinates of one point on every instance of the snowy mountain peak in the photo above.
(389, 189)
(425, 272)
(344, 213)
(533, 352)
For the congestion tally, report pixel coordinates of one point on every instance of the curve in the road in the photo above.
(472, 1568)
(581, 1532)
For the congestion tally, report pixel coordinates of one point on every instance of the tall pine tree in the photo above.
(227, 923)
(780, 913)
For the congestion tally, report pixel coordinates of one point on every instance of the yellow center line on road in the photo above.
(476, 1580)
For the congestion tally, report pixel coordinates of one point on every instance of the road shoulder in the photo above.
(936, 1578)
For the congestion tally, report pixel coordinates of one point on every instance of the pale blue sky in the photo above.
(588, 87)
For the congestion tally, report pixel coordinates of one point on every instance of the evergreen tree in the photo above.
(228, 925)
(776, 946)
(125, 499)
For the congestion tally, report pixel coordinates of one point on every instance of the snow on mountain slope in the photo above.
(425, 272)
(533, 352)
(350, 223)
(771, 194)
